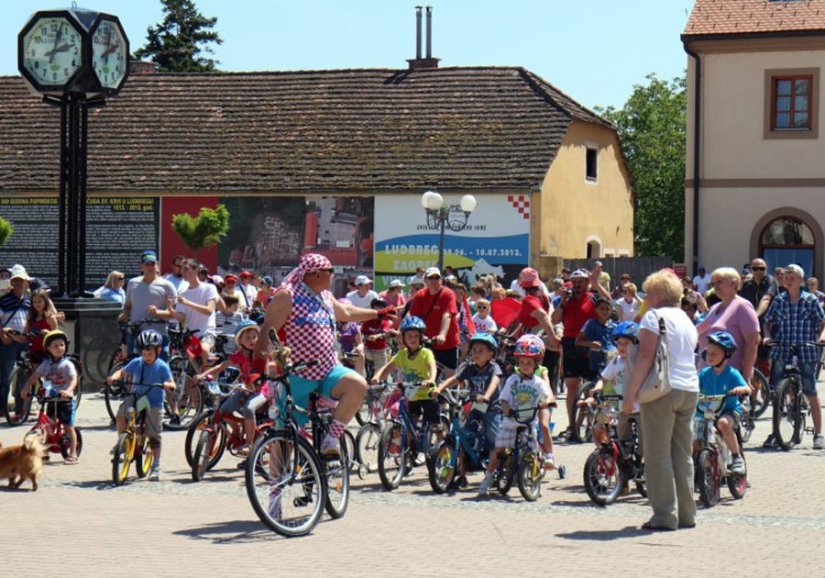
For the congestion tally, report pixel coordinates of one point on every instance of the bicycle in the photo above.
(465, 447)
(523, 463)
(133, 444)
(762, 395)
(379, 407)
(212, 392)
(287, 482)
(402, 440)
(49, 428)
(614, 462)
(713, 455)
(790, 405)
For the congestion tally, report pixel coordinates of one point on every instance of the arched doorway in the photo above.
(594, 249)
(788, 240)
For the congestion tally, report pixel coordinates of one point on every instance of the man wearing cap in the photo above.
(795, 317)
(575, 309)
(362, 296)
(436, 305)
(305, 313)
(14, 309)
(702, 280)
(248, 290)
(149, 297)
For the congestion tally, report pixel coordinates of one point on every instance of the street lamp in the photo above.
(441, 216)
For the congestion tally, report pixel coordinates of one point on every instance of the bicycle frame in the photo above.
(52, 427)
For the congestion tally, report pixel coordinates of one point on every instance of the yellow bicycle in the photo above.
(133, 444)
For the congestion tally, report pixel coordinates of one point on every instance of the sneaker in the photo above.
(175, 419)
(330, 447)
(770, 442)
(154, 475)
(819, 442)
(484, 488)
(549, 461)
(737, 466)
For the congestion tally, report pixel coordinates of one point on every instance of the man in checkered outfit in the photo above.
(305, 312)
(796, 318)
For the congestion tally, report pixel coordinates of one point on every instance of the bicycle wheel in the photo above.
(747, 423)
(208, 443)
(337, 483)
(707, 477)
(582, 425)
(144, 458)
(193, 433)
(505, 474)
(738, 484)
(122, 458)
(761, 396)
(65, 444)
(288, 499)
(362, 416)
(392, 455)
(15, 408)
(366, 447)
(530, 474)
(603, 478)
(445, 466)
(784, 414)
(189, 395)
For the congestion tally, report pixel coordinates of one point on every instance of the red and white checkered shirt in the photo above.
(310, 330)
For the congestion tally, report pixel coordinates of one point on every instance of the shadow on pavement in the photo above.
(605, 535)
(235, 531)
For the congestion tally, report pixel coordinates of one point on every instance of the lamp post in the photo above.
(441, 216)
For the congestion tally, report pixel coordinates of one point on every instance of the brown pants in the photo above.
(668, 460)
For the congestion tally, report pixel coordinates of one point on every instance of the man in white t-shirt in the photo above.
(363, 295)
(702, 280)
(250, 292)
(196, 307)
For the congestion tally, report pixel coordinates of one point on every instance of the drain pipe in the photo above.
(697, 139)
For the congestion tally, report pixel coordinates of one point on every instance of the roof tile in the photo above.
(711, 17)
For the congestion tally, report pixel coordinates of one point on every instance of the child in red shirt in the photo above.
(374, 334)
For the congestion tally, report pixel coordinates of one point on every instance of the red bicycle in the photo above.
(49, 428)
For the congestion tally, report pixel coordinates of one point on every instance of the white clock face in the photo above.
(109, 54)
(52, 51)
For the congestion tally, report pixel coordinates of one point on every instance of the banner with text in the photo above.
(117, 230)
(496, 239)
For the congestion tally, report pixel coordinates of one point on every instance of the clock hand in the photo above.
(57, 38)
(62, 48)
(113, 48)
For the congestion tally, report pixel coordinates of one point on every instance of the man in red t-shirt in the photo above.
(574, 310)
(436, 305)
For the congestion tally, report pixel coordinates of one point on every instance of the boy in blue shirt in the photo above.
(144, 371)
(597, 336)
(719, 378)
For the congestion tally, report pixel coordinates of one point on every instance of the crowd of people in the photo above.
(718, 327)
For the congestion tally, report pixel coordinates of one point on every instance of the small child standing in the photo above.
(482, 376)
(596, 336)
(483, 320)
(58, 373)
(719, 378)
(523, 390)
(145, 371)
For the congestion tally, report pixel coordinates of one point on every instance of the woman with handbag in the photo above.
(664, 380)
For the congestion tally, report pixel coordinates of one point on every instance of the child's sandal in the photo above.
(71, 461)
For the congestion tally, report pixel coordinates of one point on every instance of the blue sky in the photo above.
(593, 50)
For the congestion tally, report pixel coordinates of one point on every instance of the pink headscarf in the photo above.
(309, 263)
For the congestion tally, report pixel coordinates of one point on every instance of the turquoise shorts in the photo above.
(302, 387)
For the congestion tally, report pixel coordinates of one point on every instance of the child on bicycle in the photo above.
(614, 378)
(246, 397)
(596, 336)
(483, 320)
(144, 371)
(416, 365)
(524, 389)
(720, 378)
(58, 372)
(482, 376)
(374, 333)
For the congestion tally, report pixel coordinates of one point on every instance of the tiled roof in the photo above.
(314, 131)
(713, 17)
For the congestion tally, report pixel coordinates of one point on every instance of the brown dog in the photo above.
(22, 461)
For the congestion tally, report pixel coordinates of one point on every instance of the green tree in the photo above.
(177, 43)
(6, 230)
(203, 231)
(651, 128)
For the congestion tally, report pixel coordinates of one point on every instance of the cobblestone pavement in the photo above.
(77, 523)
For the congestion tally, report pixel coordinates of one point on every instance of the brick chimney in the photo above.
(419, 63)
(142, 67)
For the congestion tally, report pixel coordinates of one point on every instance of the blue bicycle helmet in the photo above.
(413, 323)
(485, 338)
(244, 325)
(724, 340)
(626, 329)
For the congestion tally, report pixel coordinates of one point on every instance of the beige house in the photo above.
(755, 172)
